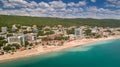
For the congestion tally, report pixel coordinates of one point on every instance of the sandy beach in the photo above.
(40, 50)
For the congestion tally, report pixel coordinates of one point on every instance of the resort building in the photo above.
(17, 39)
(78, 33)
(34, 26)
(14, 28)
(29, 29)
(3, 35)
(13, 39)
(22, 39)
(31, 37)
(94, 30)
(46, 27)
(4, 29)
(35, 30)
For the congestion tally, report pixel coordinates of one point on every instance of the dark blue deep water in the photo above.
(99, 54)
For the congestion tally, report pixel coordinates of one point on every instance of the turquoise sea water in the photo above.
(99, 54)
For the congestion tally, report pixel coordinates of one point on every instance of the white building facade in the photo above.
(78, 33)
(4, 29)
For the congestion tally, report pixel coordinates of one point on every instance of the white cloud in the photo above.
(20, 1)
(44, 5)
(71, 4)
(57, 4)
(56, 9)
(103, 13)
(80, 3)
(14, 3)
(113, 3)
(93, 1)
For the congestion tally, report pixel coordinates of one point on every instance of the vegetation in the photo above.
(87, 32)
(6, 20)
(25, 32)
(61, 38)
(2, 38)
(17, 46)
(40, 33)
(11, 47)
(1, 44)
(46, 39)
(7, 48)
(56, 38)
(26, 43)
(2, 41)
(72, 31)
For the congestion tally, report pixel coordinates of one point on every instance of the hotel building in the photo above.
(78, 33)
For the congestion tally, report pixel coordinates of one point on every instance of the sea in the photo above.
(98, 54)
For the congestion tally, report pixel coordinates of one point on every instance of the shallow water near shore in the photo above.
(99, 54)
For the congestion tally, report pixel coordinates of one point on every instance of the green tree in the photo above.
(31, 44)
(48, 33)
(40, 33)
(88, 32)
(61, 38)
(2, 42)
(7, 48)
(71, 31)
(43, 21)
(26, 43)
(2, 38)
(17, 46)
(97, 36)
(47, 29)
(46, 39)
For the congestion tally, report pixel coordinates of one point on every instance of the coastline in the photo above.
(40, 50)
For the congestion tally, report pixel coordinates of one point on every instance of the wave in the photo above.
(90, 46)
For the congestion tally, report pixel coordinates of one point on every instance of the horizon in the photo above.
(61, 17)
(95, 9)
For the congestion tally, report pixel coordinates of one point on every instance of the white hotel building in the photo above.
(20, 39)
(16, 39)
(78, 33)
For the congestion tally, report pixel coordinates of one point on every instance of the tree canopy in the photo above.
(6, 20)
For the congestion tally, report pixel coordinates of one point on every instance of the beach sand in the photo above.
(41, 50)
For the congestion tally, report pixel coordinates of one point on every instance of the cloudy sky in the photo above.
(62, 8)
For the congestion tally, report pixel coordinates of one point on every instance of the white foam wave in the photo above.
(89, 46)
(78, 49)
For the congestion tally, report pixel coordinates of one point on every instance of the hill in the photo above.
(6, 20)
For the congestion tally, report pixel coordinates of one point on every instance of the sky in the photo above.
(100, 9)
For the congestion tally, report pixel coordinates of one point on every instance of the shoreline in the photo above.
(40, 50)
